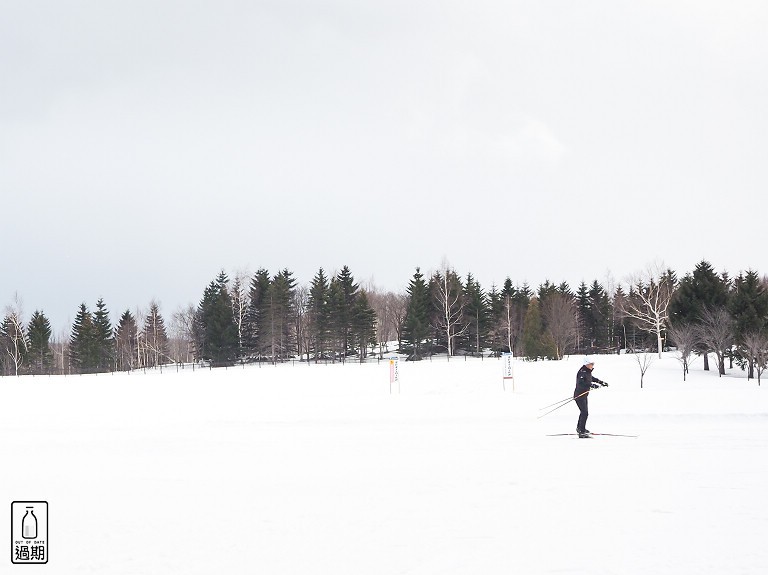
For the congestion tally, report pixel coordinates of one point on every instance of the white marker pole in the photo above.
(394, 373)
(509, 370)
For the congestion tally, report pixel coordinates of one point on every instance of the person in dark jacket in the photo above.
(584, 382)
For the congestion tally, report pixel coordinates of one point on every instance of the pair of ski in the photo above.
(588, 435)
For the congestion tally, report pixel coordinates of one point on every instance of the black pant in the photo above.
(583, 412)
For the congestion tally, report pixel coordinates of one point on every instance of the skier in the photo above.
(584, 382)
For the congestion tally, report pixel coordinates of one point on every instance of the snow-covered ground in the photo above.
(303, 469)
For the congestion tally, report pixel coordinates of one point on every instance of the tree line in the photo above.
(271, 317)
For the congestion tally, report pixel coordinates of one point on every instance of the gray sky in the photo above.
(146, 145)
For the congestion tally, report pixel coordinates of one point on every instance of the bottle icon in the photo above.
(29, 524)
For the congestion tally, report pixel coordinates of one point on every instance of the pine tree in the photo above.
(343, 310)
(278, 326)
(40, 355)
(600, 315)
(126, 342)
(82, 356)
(695, 294)
(495, 323)
(619, 322)
(363, 326)
(515, 303)
(416, 324)
(336, 319)
(477, 315)
(318, 312)
(697, 291)
(536, 344)
(583, 309)
(103, 342)
(748, 306)
(215, 329)
(155, 337)
(255, 344)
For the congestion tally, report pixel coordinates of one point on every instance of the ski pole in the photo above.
(566, 400)
(562, 404)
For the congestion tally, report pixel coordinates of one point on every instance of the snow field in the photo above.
(318, 469)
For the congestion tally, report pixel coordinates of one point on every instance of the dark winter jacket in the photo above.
(584, 380)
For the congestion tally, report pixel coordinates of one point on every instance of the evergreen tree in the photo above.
(82, 343)
(344, 308)
(255, 344)
(126, 342)
(599, 316)
(748, 305)
(515, 307)
(103, 342)
(155, 337)
(536, 344)
(696, 293)
(318, 312)
(416, 325)
(477, 316)
(278, 328)
(363, 327)
(336, 325)
(619, 321)
(216, 331)
(39, 356)
(495, 321)
(584, 311)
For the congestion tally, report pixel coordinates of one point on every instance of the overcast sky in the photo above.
(145, 145)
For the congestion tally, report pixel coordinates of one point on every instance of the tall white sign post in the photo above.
(509, 370)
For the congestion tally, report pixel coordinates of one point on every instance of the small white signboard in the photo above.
(509, 369)
(394, 373)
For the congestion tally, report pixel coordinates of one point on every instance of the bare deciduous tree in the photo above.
(559, 314)
(644, 361)
(14, 339)
(716, 331)
(647, 303)
(390, 311)
(685, 337)
(181, 340)
(755, 348)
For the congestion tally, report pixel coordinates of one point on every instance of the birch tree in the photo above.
(648, 302)
(450, 302)
(13, 336)
(239, 297)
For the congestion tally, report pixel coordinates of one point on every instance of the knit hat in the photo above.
(588, 360)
